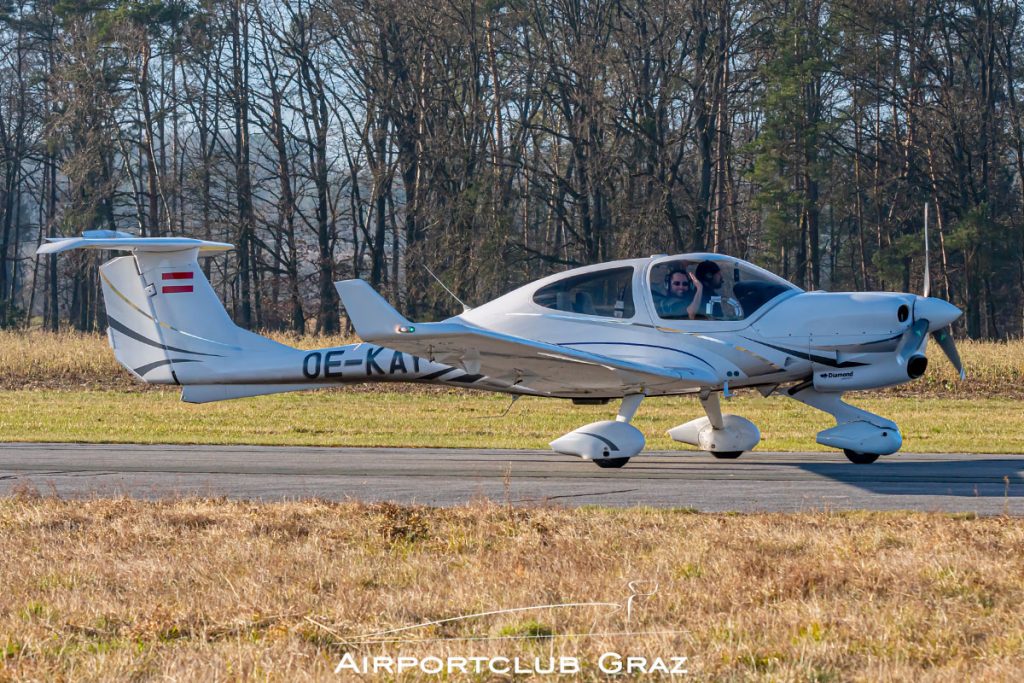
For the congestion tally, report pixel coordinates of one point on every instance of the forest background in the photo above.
(494, 142)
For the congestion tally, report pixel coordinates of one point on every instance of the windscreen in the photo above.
(711, 289)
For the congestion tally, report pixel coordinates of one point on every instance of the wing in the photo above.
(512, 360)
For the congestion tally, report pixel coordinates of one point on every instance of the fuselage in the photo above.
(748, 327)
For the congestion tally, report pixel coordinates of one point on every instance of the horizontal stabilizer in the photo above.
(208, 393)
(123, 241)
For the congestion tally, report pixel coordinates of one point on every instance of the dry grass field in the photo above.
(200, 589)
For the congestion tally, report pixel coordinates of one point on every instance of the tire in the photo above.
(726, 455)
(860, 458)
(610, 463)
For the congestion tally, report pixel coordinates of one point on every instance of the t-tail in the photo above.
(167, 326)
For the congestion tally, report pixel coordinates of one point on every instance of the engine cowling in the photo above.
(893, 370)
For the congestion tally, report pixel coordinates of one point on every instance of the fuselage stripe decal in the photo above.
(465, 378)
(650, 346)
(143, 369)
(439, 373)
(882, 341)
(811, 357)
(127, 331)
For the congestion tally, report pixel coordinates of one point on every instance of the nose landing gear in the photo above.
(861, 435)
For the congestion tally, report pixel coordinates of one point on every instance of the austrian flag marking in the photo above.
(177, 275)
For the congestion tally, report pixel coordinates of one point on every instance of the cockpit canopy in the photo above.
(711, 287)
(685, 287)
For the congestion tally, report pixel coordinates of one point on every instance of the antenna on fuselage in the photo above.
(927, 263)
(465, 308)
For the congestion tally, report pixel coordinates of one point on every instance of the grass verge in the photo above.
(199, 589)
(451, 418)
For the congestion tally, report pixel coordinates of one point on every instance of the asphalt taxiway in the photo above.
(758, 481)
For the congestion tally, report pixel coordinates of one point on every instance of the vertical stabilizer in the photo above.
(132, 329)
(165, 322)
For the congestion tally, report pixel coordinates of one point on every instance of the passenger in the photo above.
(709, 275)
(683, 295)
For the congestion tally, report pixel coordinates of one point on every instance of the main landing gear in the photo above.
(724, 436)
(861, 435)
(608, 443)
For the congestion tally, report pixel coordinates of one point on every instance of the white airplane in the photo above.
(592, 334)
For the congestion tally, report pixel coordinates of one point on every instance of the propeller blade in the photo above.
(944, 339)
(927, 264)
(913, 339)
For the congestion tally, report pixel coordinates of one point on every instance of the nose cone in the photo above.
(937, 312)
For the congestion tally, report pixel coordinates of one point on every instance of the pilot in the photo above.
(683, 296)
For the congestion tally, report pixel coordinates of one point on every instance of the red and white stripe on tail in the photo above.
(176, 286)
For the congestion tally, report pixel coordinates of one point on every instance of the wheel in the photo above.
(860, 458)
(608, 463)
(726, 455)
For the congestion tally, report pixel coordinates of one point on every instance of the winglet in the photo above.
(373, 317)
